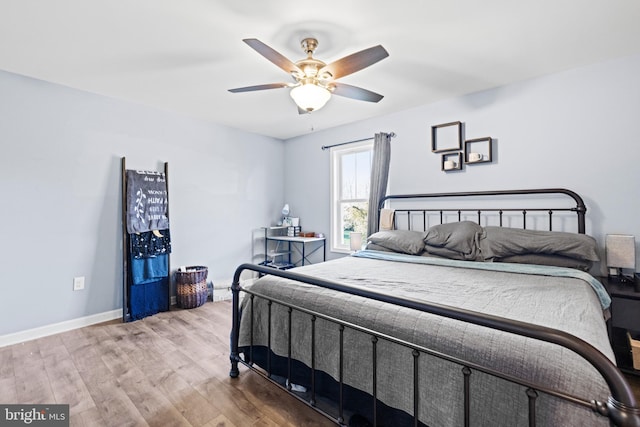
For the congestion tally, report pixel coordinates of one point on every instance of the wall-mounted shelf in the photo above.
(478, 150)
(451, 162)
(447, 137)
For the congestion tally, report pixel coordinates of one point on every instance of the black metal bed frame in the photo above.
(580, 209)
(621, 407)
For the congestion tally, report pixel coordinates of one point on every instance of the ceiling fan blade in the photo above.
(273, 56)
(355, 92)
(355, 62)
(259, 87)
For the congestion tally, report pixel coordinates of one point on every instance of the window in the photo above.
(350, 177)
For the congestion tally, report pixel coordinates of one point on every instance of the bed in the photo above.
(476, 319)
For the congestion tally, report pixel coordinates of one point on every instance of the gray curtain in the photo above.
(379, 178)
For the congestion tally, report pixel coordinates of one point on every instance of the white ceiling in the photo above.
(182, 56)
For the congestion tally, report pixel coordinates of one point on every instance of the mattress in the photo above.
(567, 302)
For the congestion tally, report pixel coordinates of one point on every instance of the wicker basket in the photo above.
(191, 287)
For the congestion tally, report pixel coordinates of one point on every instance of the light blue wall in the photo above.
(578, 129)
(60, 175)
(61, 195)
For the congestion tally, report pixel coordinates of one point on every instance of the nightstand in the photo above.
(625, 317)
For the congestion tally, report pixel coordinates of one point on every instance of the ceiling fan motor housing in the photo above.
(309, 45)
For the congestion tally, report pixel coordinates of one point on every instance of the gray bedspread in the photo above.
(563, 303)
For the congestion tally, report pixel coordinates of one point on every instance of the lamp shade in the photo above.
(310, 97)
(621, 251)
(355, 241)
(285, 209)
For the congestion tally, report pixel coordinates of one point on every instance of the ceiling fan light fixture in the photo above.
(310, 96)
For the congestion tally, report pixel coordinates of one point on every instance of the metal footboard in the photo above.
(621, 407)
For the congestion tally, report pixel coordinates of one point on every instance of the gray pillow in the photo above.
(498, 242)
(453, 240)
(373, 247)
(403, 241)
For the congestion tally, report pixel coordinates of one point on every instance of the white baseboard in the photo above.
(56, 328)
(222, 290)
(222, 294)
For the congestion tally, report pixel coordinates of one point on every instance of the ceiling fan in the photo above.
(315, 81)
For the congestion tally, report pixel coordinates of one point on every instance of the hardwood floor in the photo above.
(171, 369)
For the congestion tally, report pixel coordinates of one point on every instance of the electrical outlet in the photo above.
(78, 283)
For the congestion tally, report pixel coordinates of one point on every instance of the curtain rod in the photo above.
(324, 147)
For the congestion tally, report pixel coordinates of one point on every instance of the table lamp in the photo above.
(621, 254)
(285, 213)
(355, 241)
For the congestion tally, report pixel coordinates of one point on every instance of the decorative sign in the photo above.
(146, 201)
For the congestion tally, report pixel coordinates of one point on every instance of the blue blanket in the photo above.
(542, 270)
(149, 291)
(149, 298)
(145, 270)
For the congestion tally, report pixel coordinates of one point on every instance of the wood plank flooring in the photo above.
(171, 369)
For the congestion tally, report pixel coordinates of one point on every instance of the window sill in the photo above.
(341, 251)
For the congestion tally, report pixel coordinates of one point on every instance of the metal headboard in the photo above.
(580, 209)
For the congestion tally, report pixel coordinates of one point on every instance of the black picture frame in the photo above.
(446, 137)
(485, 150)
